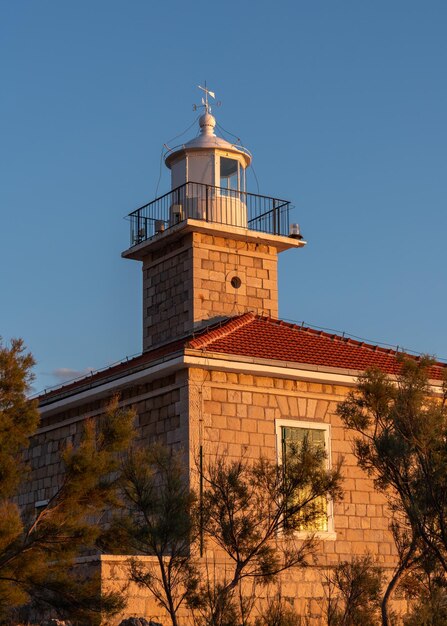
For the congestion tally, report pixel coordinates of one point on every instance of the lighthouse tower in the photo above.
(208, 247)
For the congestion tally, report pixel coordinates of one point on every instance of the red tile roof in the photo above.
(251, 335)
(117, 370)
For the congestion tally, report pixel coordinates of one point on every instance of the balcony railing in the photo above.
(211, 204)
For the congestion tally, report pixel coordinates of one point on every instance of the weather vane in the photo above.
(205, 104)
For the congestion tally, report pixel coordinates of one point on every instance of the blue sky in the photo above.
(343, 105)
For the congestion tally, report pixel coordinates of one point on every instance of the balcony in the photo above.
(213, 205)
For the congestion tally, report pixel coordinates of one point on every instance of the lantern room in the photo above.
(212, 171)
(208, 191)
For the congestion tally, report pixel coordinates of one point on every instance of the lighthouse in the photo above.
(208, 246)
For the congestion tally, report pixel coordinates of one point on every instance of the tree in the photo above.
(37, 553)
(278, 613)
(402, 444)
(250, 511)
(354, 593)
(157, 517)
(253, 513)
(426, 587)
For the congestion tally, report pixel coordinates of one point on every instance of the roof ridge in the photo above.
(232, 324)
(362, 344)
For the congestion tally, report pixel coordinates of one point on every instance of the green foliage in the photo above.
(426, 587)
(402, 444)
(242, 609)
(37, 553)
(74, 595)
(429, 610)
(244, 509)
(19, 416)
(211, 605)
(247, 505)
(354, 593)
(253, 511)
(278, 613)
(219, 608)
(157, 518)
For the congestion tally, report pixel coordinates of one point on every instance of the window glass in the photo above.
(292, 438)
(228, 173)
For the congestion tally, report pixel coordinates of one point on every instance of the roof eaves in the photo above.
(209, 356)
(113, 373)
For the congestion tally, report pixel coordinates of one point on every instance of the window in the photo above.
(232, 174)
(228, 173)
(291, 433)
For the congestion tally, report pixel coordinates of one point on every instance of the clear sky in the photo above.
(343, 105)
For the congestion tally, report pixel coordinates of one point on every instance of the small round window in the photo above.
(236, 282)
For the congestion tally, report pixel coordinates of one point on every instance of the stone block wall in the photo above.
(162, 415)
(200, 278)
(237, 417)
(219, 264)
(233, 414)
(167, 285)
(303, 588)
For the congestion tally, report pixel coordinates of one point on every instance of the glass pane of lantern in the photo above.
(228, 173)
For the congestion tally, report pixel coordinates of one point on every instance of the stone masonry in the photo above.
(238, 416)
(161, 407)
(204, 278)
(234, 414)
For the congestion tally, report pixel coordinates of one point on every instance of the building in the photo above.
(219, 371)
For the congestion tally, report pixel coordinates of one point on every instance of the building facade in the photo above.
(219, 372)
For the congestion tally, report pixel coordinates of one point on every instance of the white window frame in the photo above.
(330, 533)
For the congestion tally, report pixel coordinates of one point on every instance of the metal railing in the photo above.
(211, 204)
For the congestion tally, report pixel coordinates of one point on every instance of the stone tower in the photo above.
(208, 247)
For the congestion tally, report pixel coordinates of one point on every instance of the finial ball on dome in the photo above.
(207, 123)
